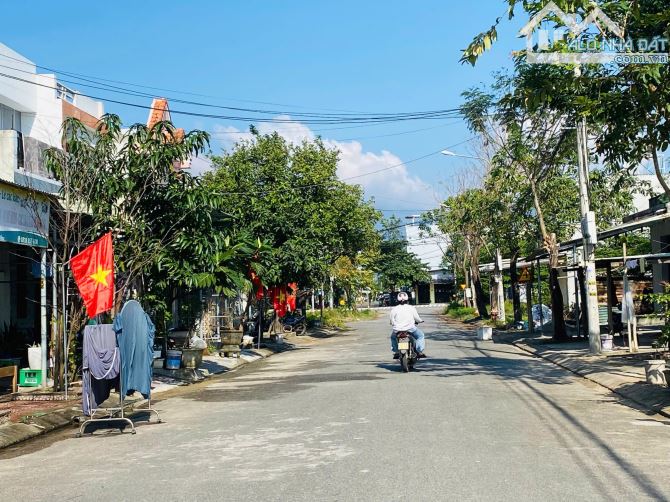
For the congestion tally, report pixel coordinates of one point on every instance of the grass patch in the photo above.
(338, 318)
(459, 312)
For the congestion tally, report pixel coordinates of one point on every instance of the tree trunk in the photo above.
(514, 279)
(657, 170)
(581, 279)
(560, 332)
(551, 245)
(480, 301)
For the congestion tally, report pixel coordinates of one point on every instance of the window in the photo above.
(10, 118)
(64, 93)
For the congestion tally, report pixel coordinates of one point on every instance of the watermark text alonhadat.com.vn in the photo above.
(582, 46)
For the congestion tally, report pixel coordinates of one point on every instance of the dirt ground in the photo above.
(21, 409)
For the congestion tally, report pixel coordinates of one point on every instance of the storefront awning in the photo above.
(24, 217)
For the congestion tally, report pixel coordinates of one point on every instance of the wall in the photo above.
(36, 98)
(660, 243)
(89, 106)
(641, 201)
(45, 124)
(8, 155)
(427, 248)
(5, 289)
(15, 93)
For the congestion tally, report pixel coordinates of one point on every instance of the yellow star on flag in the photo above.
(101, 276)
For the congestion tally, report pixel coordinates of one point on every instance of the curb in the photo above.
(13, 433)
(17, 432)
(574, 367)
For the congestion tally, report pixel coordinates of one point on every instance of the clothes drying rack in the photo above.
(117, 414)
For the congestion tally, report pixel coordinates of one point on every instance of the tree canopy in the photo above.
(289, 196)
(395, 266)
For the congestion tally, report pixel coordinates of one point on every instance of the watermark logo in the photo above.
(596, 39)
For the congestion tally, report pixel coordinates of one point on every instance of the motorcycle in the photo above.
(407, 350)
(294, 323)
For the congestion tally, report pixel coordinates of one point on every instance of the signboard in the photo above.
(525, 275)
(24, 217)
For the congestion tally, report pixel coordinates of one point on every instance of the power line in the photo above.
(162, 89)
(223, 134)
(305, 117)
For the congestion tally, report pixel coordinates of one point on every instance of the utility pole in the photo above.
(590, 239)
(332, 294)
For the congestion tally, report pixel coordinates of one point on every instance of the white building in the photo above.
(32, 109)
(429, 246)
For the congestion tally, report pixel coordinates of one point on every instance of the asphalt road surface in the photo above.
(336, 420)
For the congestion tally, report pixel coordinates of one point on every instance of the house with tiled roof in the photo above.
(160, 111)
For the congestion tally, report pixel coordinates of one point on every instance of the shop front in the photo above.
(24, 220)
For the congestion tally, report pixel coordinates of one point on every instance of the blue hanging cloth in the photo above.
(135, 338)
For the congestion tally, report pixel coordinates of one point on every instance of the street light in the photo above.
(449, 153)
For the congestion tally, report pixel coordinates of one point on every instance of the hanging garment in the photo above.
(135, 338)
(100, 368)
(627, 304)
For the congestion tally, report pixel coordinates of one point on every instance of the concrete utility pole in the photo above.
(332, 293)
(499, 289)
(590, 235)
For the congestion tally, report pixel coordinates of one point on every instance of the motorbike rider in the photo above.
(404, 317)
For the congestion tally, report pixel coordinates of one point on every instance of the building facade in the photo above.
(429, 245)
(32, 109)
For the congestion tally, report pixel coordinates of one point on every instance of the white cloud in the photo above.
(199, 165)
(390, 183)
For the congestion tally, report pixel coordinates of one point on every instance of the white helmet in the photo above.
(402, 297)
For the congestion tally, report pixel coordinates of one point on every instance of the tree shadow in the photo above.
(633, 474)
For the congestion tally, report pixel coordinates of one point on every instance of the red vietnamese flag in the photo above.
(93, 271)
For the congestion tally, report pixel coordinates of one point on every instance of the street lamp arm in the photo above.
(449, 153)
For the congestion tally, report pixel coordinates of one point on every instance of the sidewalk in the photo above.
(619, 371)
(42, 421)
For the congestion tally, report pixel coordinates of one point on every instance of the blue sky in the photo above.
(369, 56)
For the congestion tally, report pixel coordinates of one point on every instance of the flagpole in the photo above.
(43, 314)
(63, 282)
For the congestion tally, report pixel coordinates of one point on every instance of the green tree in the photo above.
(531, 144)
(351, 276)
(629, 104)
(397, 267)
(463, 219)
(168, 231)
(512, 224)
(534, 173)
(289, 197)
(394, 265)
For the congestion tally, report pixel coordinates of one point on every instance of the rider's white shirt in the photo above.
(403, 317)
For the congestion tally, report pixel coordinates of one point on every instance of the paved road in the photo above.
(337, 421)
